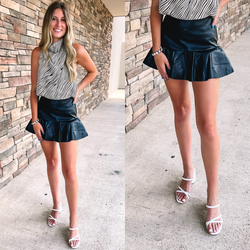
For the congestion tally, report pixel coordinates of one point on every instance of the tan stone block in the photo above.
(25, 112)
(6, 161)
(132, 98)
(19, 153)
(147, 88)
(11, 5)
(145, 73)
(25, 73)
(7, 60)
(139, 112)
(135, 24)
(127, 8)
(143, 39)
(9, 100)
(19, 103)
(10, 74)
(4, 68)
(26, 11)
(21, 52)
(15, 114)
(31, 6)
(10, 168)
(30, 26)
(14, 37)
(130, 40)
(6, 145)
(33, 34)
(35, 2)
(3, 36)
(141, 56)
(141, 83)
(18, 81)
(6, 93)
(4, 10)
(24, 59)
(128, 115)
(1, 111)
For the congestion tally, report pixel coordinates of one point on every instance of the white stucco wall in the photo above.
(117, 69)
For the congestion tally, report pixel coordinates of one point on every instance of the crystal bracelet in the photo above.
(157, 52)
(35, 122)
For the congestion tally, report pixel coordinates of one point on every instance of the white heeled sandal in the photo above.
(77, 237)
(214, 220)
(180, 190)
(52, 218)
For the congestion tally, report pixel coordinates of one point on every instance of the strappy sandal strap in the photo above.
(185, 179)
(214, 220)
(184, 192)
(74, 238)
(52, 218)
(73, 228)
(213, 206)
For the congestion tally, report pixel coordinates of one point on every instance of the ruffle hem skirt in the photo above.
(59, 120)
(192, 50)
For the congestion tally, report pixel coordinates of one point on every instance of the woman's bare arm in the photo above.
(33, 97)
(221, 4)
(155, 22)
(85, 61)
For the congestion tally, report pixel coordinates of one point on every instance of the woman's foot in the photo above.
(214, 217)
(53, 218)
(74, 237)
(184, 189)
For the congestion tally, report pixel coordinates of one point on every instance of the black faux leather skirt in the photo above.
(59, 120)
(192, 50)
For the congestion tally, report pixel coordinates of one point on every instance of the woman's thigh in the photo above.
(206, 100)
(50, 150)
(69, 154)
(179, 93)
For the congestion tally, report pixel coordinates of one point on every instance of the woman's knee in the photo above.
(69, 175)
(207, 129)
(52, 163)
(182, 112)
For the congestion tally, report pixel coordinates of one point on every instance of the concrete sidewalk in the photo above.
(25, 203)
(154, 220)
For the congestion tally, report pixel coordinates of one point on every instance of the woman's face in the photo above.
(58, 26)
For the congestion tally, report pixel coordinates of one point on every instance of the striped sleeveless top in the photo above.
(189, 9)
(53, 79)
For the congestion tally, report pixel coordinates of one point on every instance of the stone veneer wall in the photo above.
(144, 86)
(20, 33)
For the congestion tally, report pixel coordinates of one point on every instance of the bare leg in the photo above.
(180, 96)
(206, 101)
(51, 154)
(69, 156)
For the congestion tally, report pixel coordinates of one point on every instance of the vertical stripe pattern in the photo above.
(53, 79)
(189, 9)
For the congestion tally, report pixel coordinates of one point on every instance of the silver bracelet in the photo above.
(35, 122)
(157, 52)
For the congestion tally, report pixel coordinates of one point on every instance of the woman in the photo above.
(185, 49)
(54, 93)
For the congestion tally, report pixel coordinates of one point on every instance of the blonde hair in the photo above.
(46, 39)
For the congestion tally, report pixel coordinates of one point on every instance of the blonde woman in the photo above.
(54, 93)
(185, 49)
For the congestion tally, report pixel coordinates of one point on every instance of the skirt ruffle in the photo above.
(59, 120)
(192, 50)
(194, 66)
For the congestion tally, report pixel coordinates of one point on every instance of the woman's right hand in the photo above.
(160, 61)
(38, 130)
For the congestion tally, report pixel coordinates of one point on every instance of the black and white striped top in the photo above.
(53, 79)
(189, 9)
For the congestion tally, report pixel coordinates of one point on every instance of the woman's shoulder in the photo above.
(36, 51)
(78, 47)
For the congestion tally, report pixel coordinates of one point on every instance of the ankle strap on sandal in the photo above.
(212, 206)
(73, 228)
(185, 179)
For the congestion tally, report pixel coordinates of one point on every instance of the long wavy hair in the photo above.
(46, 39)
